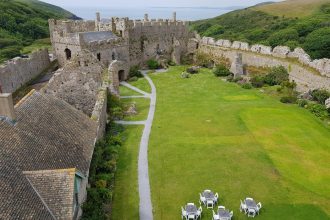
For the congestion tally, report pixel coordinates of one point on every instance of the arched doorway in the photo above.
(67, 53)
(121, 75)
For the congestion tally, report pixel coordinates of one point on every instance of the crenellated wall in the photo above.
(18, 71)
(307, 73)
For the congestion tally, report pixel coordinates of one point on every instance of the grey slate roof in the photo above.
(49, 134)
(98, 35)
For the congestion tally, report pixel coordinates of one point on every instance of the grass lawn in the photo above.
(210, 134)
(126, 197)
(142, 107)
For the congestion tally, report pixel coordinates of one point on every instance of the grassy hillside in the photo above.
(273, 24)
(24, 21)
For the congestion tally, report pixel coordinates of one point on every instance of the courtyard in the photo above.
(212, 134)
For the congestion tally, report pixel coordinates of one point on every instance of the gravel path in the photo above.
(143, 172)
(145, 206)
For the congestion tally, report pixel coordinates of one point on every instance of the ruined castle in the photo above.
(47, 139)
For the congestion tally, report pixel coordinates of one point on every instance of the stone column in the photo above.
(146, 17)
(174, 16)
(237, 65)
(97, 21)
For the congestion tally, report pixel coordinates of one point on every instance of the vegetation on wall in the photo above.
(103, 167)
(311, 32)
(24, 21)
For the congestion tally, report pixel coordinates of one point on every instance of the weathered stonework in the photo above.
(327, 103)
(18, 71)
(263, 56)
(237, 65)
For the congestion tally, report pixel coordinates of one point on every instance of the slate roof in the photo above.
(49, 134)
(97, 35)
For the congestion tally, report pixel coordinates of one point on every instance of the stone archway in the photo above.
(118, 71)
(67, 52)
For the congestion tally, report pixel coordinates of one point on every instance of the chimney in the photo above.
(174, 16)
(7, 106)
(146, 17)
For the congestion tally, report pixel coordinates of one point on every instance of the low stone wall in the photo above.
(18, 71)
(296, 62)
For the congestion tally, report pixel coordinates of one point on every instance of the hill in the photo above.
(24, 21)
(272, 25)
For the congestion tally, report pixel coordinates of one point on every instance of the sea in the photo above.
(183, 13)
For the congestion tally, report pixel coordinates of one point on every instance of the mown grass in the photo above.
(142, 84)
(213, 134)
(142, 108)
(292, 8)
(126, 197)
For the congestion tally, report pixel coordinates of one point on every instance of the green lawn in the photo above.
(142, 108)
(210, 134)
(126, 197)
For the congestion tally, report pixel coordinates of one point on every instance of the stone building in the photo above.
(119, 42)
(45, 152)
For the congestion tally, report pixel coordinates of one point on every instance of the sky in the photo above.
(154, 3)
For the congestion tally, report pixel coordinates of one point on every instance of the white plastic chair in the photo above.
(231, 214)
(191, 217)
(221, 207)
(183, 213)
(216, 197)
(251, 213)
(215, 216)
(199, 212)
(202, 199)
(247, 198)
(209, 204)
(190, 203)
(242, 207)
(259, 207)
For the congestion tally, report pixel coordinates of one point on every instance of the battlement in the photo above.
(321, 65)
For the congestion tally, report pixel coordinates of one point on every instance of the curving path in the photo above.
(145, 206)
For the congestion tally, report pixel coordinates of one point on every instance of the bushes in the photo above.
(320, 95)
(221, 70)
(152, 64)
(318, 110)
(135, 72)
(317, 43)
(185, 75)
(246, 86)
(276, 76)
(289, 99)
(192, 70)
(257, 81)
(302, 103)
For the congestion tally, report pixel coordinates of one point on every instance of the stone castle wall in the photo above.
(306, 73)
(18, 71)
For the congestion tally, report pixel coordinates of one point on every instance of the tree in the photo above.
(282, 36)
(317, 43)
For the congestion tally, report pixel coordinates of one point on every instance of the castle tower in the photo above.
(174, 16)
(146, 17)
(97, 21)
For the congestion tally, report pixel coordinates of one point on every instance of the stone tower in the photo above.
(237, 65)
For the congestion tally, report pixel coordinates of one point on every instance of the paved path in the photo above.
(134, 96)
(145, 206)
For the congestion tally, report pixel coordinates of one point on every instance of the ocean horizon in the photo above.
(183, 13)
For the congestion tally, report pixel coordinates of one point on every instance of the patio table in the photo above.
(251, 204)
(223, 214)
(191, 209)
(208, 195)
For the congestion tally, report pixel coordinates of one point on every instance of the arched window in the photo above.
(99, 56)
(67, 53)
(113, 56)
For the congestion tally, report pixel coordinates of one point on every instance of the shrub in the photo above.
(230, 78)
(302, 103)
(276, 76)
(282, 36)
(289, 99)
(101, 184)
(221, 70)
(117, 113)
(171, 63)
(257, 81)
(135, 72)
(192, 70)
(318, 110)
(185, 75)
(133, 79)
(317, 43)
(320, 95)
(247, 86)
(152, 64)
